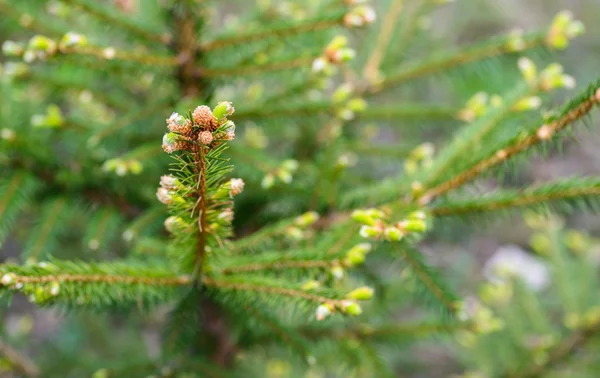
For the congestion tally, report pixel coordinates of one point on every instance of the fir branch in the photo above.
(560, 193)
(279, 31)
(386, 31)
(283, 333)
(100, 285)
(109, 17)
(235, 284)
(448, 60)
(372, 112)
(110, 53)
(280, 65)
(564, 350)
(427, 281)
(305, 264)
(472, 136)
(104, 278)
(19, 361)
(572, 113)
(16, 194)
(50, 224)
(9, 10)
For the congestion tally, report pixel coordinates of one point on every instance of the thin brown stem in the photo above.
(280, 265)
(109, 18)
(560, 353)
(201, 194)
(109, 53)
(239, 38)
(19, 361)
(420, 69)
(104, 278)
(371, 70)
(294, 293)
(258, 69)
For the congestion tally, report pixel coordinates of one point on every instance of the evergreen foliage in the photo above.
(289, 236)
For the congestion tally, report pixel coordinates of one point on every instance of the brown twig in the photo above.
(20, 362)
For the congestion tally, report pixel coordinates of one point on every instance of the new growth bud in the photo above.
(361, 294)
(307, 219)
(223, 109)
(236, 186)
(563, 28)
(204, 117)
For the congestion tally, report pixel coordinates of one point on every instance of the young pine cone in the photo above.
(204, 116)
(179, 124)
(205, 137)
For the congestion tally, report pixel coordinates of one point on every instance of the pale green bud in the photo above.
(393, 234)
(528, 70)
(370, 232)
(528, 103)
(71, 39)
(311, 285)
(337, 42)
(362, 293)
(290, 165)
(223, 109)
(413, 225)
(345, 54)
(54, 288)
(307, 219)
(337, 272)
(350, 308)
(43, 44)
(364, 217)
(268, 181)
(342, 93)
(357, 105)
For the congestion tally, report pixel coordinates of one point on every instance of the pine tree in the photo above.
(285, 246)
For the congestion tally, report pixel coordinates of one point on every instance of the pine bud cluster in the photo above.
(375, 227)
(205, 128)
(336, 52)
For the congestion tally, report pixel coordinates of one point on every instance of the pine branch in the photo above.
(570, 114)
(19, 361)
(371, 68)
(283, 265)
(110, 53)
(16, 191)
(279, 30)
(372, 112)
(42, 239)
(100, 285)
(283, 333)
(428, 282)
(471, 137)
(280, 65)
(270, 287)
(448, 60)
(109, 17)
(9, 10)
(562, 194)
(559, 353)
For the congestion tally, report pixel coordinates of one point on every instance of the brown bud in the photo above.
(205, 137)
(203, 116)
